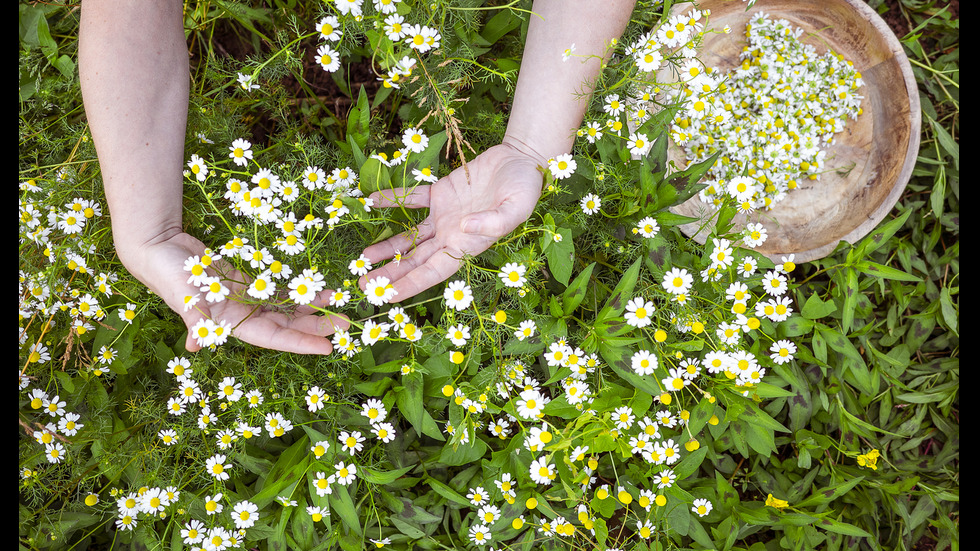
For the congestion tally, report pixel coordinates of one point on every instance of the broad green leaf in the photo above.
(575, 292)
(341, 503)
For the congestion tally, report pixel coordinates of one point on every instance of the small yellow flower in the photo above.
(776, 503)
(869, 459)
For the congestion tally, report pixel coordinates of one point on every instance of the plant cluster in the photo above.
(594, 380)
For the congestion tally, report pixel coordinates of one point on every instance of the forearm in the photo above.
(552, 95)
(134, 76)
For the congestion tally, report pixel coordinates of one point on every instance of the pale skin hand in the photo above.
(133, 69)
(465, 216)
(505, 181)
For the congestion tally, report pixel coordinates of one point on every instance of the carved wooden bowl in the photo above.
(882, 143)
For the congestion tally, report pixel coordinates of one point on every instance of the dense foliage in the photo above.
(595, 380)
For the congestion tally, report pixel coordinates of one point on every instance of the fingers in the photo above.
(413, 278)
(306, 334)
(413, 197)
(400, 243)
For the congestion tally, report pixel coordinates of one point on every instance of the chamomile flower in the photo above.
(379, 291)
(562, 166)
(677, 281)
(345, 473)
(647, 227)
(458, 295)
(414, 140)
(241, 151)
(217, 467)
(512, 275)
(639, 312)
(329, 29)
(542, 472)
(197, 168)
(590, 204)
(245, 514)
(351, 442)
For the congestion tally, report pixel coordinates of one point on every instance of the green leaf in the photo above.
(341, 503)
(879, 270)
(830, 493)
(839, 527)
(814, 308)
(560, 255)
(575, 292)
(617, 300)
(447, 492)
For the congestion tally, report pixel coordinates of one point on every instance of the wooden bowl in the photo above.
(882, 143)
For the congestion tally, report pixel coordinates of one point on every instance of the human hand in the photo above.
(465, 217)
(160, 266)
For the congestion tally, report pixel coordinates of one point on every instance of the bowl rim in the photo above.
(911, 151)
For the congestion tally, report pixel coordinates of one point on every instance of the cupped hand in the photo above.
(467, 214)
(160, 266)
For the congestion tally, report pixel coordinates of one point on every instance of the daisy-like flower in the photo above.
(590, 204)
(644, 362)
(352, 442)
(352, 8)
(638, 144)
(782, 351)
(512, 275)
(315, 397)
(623, 417)
(664, 479)
(54, 452)
(322, 482)
(677, 281)
(383, 431)
(379, 291)
(197, 168)
(542, 472)
(328, 27)
(479, 534)
(562, 166)
(647, 227)
(217, 468)
(374, 410)
(478, 496)
(458, 334)
(317, 513)
(701, 507)
(262, 287)
(360, 266)
(55, 407)
(241, 151)
(755, 234)
(639, 312)
(230, 389)
(525, 329)
(245, 514)
(592, 131)
(69, 425)
(567, 52)
(394, 27)
(328, 58)
(458, 295)
(613, 106)
(304, 287)
(345, 473)
(215, 291)
(774, 283)
(530, 403)
(425, 175)
(414, 140)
